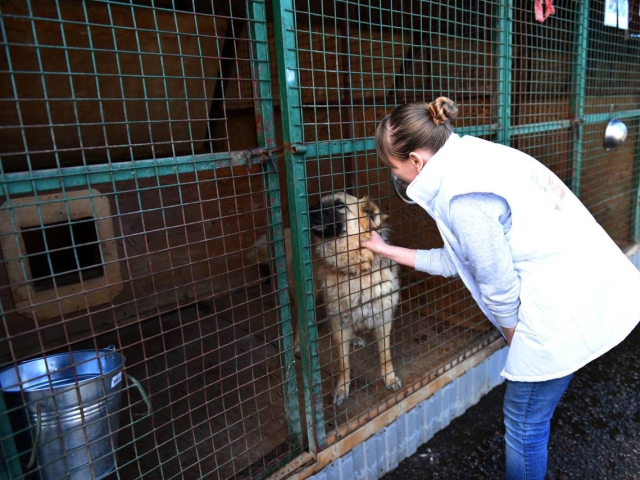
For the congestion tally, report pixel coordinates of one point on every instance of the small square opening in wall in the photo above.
(61, 253)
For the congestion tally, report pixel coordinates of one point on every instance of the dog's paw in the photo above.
(394, 384)
(340, 396)
(296, 350)
(358, 342)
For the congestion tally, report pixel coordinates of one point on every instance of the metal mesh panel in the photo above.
(436, 323)
(129, 220)
(543, 64)
(609, 183)
(358, 61)
(612, 68)
(553, 148)
(354, 63)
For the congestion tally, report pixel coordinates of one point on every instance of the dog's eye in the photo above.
(339, 205)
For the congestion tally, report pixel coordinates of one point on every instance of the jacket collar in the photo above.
(426, 185)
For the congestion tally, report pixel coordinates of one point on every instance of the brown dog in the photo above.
(360, 288)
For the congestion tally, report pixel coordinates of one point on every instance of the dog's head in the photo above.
(340, 214)
(342, 221)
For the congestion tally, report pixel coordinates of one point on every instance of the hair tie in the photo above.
(433, 115)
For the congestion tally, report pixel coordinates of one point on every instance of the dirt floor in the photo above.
(595, 432)
(213, 375)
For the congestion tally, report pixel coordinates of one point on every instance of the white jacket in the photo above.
(580, 295)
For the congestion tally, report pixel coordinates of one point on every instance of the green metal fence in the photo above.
(537, 87)
(130, 217)
(159, 159)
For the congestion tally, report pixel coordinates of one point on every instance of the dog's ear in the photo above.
(370, 216)
(366, 207)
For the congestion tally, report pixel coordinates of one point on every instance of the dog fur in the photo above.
(359, 288)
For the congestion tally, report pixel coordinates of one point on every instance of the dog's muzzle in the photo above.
(324, 221)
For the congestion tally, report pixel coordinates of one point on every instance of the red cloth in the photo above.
(540, 15)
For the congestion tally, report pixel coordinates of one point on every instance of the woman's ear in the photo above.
(417, 161)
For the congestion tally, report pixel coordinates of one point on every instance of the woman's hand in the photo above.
(376, 244)
(403, 256)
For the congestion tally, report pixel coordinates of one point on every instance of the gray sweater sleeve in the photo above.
(480, 221)
(435, 261)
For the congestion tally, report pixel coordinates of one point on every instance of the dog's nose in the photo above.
(322, 221)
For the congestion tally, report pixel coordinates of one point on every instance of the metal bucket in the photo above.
(68, 412)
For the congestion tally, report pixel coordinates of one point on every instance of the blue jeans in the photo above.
(528, 408)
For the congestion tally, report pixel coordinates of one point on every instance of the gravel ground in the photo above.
(595, 432)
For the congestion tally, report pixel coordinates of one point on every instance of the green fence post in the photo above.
(292, 132)
(505, 35)
(261, 76)
(578, 95)
(9, 462)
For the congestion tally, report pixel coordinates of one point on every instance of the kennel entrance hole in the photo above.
(61, 253)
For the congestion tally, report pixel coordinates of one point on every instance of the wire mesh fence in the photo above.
(379, 328)
(518, 82)
(130, 218)
(147, 206)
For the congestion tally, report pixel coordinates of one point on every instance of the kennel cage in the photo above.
(150, 146)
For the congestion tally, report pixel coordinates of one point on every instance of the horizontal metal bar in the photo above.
(604, 117)
(350, 146)
(541, 127)
(340, 147)
(136, 29)
(479, 130)
(71, 177)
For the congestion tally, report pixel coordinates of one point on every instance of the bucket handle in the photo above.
(34, 451)
(142, 392)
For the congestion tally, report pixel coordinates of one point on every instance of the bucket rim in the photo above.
(100, 353)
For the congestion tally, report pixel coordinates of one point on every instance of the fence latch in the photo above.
(575, 123)
(262, 155)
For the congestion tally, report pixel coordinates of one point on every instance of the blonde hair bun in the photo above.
(442, 110)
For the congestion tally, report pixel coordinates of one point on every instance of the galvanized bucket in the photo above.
(67, 411)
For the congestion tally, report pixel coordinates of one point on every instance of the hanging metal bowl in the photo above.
(615, 134)
(400, 186)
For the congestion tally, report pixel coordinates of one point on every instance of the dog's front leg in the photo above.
(342, 336)
(383, 340)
